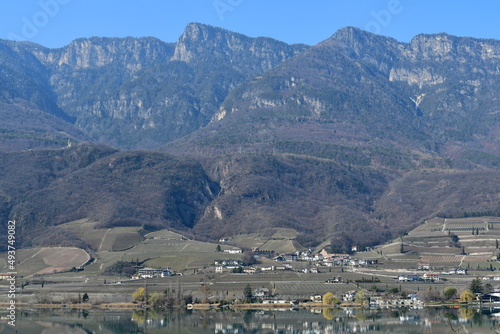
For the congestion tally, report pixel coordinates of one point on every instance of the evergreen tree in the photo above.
(450, 292)
(476, 286)
(247, 293)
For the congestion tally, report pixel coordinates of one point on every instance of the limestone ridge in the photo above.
(350, 141)
(133, 53)
(201, 42)
(436, 87)
(142, 92)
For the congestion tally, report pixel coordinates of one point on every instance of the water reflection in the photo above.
(430, 320)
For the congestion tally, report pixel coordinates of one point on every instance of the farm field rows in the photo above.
(427, 244)
(38, 261)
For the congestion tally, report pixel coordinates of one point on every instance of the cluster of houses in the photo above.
(324, 258)
(430, 276)
(321, 258)
(153, 273)
(222, 265)
(411, 301)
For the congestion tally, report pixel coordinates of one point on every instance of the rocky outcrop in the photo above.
(142, 92)
(131, 53)
(248, 55)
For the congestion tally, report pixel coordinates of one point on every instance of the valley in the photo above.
(220, 160)
(439, 254)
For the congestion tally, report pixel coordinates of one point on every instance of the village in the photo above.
(346, 266)
(434, 263)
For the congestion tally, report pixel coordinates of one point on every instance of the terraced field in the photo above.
(279, 246)
(112, 239)
(435, 259)
(249, 241)
(164, 234)
(281, 241)
(285, 233)
(441, 242)
(39, 261)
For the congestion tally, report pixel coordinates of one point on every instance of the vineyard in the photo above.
(39, 261)
(445, 244)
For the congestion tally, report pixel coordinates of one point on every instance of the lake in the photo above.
(428, 320)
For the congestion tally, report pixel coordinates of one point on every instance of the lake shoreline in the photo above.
(205, 306)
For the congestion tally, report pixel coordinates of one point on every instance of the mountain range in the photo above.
(350, 142)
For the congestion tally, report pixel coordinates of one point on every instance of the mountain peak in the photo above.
(196, 30)
(347, 32)
(355, 39)
(198, 38)
(199, 41)
(94, 52)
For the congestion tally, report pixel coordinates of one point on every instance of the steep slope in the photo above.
(24, 126)
(209, 45)
(25, 78)
(370, 111)
(316, 197)
(352, 140)
(434, 94)
(134, 92)
(29, 114)
(132, 188)
(86, 77)
(141, 93)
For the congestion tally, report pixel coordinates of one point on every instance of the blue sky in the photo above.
(55, 23)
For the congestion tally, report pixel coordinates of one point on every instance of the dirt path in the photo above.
(32, 256)
(184, 247)
(102, 240)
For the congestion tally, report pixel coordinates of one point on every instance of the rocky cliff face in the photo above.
(251, 55)
(142, 92)
(343, 141)
(131, 53)
(438, 86)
